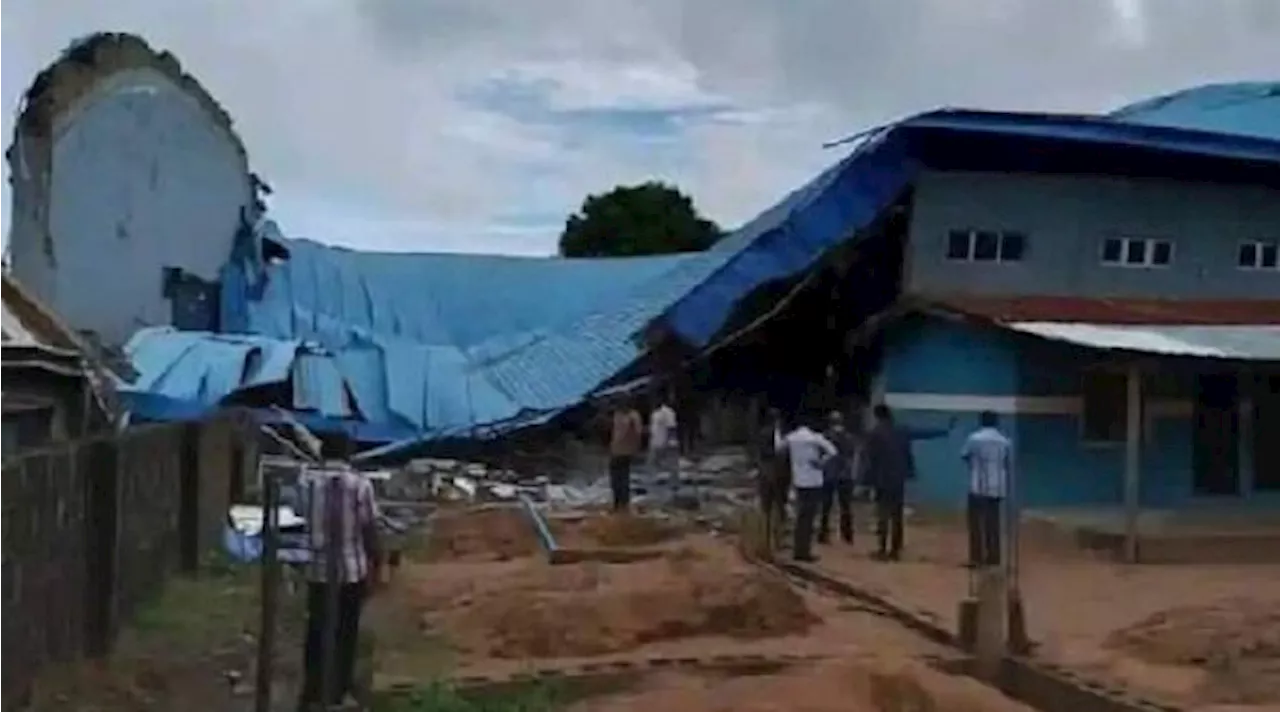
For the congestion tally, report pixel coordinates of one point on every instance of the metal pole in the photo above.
(269, 569)
(1132, 462)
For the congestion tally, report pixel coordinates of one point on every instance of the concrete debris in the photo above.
(717, 481)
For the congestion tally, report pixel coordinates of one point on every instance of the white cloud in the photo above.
(581, 84)
(373, 101)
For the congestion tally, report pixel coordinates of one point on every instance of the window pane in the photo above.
(1270, 255)
(958, 245)
(1135, 252)
(1248, 254)
(986, 246)
(1112, 250)
(1012, 246)
(1161, 252)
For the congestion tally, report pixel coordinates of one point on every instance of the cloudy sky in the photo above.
(477, 125)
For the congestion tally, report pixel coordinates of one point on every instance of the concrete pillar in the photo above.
(1132, 462)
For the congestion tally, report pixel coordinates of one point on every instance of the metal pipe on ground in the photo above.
(545, 537)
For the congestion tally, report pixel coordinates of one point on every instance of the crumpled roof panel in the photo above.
(335, 295)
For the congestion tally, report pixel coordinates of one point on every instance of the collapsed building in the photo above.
(1108, 282)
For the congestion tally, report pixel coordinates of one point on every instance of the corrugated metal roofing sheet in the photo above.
(1243, 109)
(1245, 343)
(1096, 310)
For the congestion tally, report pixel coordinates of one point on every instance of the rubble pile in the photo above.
(717, 480)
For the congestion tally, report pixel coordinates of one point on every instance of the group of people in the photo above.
(627, 440)
(827, 465)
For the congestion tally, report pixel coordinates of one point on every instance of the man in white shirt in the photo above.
(664, 443)
(808, 452)
(989, 455)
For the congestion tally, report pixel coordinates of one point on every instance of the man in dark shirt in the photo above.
(837, 485)
(889, 464)
(773, 476)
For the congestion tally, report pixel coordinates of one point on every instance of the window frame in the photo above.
(1148, 252)
(1259, 246)
(971, 250)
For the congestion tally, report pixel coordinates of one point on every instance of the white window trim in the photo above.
(973, 241)
(1148, 252)
(1257, 255)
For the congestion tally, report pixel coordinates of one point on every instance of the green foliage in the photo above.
(652, 218)
(442, 697)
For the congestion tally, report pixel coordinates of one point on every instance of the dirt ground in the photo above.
(699, 598)
(1195, 635)
(479, 534)
(532, 609)
(857, 684)
(610, 530)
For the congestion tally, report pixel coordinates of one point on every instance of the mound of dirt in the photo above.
(593, 609)
(836, 686)
(615, 530)
(494, 534)
(1210, 635)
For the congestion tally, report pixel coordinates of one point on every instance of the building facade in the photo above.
(1034, 296)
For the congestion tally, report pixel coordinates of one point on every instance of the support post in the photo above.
(269, 566)
(1132, 462)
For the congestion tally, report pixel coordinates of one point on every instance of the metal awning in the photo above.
(1235, 342)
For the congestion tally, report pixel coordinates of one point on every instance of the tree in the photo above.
(652, 218)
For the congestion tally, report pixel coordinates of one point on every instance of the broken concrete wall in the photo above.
(122, 165)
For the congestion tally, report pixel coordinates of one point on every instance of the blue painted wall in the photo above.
(1066, 218)
(1056, 468)
(141, 177)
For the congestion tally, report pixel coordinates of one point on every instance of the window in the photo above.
(1104, 413)
(986, 246)
(1136, 252)
(1257, 254)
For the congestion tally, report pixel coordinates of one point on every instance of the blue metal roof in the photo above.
(430, 346)
(845, 198)
(433, 345)
(1241, 109)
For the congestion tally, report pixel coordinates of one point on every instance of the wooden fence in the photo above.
(93, 528)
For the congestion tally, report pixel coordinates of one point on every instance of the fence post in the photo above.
(189, 529)
(102, 533)
(270, 565)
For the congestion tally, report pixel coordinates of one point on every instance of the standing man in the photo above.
(624, 445)
(889, 464)
(808, 452)
(837, 486)
(773, 477)
(664, 442)
(989, 455)
(342, 532)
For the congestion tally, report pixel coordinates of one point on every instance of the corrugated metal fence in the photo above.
(93, 529)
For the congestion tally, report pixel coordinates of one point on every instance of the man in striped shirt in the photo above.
(342, 515)
(989, 455)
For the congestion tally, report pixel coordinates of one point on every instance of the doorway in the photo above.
(1266, 446)
(1215, 443)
